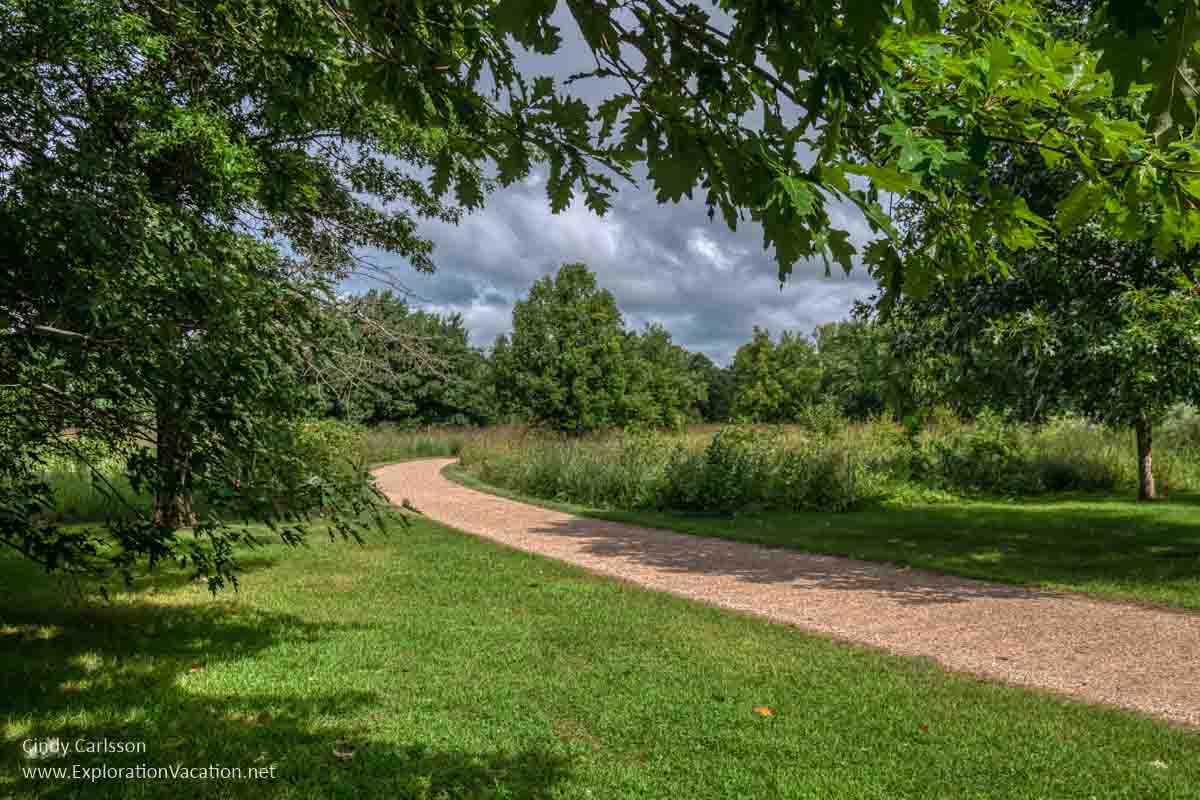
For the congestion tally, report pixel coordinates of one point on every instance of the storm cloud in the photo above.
(707, 285)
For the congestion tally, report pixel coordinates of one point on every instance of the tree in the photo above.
(775, 382)
(1098, 327)
(717, 405)
(565, 364)
(176, 204)
(663, 389)
(856, 368)
(571, 364)
(1090, 319)
(388, 362)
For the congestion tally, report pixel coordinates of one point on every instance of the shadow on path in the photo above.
(682, 553)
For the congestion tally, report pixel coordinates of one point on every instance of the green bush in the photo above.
(731, 474)
(989, 457)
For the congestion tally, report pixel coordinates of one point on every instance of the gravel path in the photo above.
(1122, 655)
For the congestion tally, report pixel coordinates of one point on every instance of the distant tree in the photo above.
(855, 367)
(663, 389)
(775, 382)
(717, 405)
(565, 363)
(389, 362)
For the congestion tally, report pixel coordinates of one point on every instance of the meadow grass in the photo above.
(452, 668)
(837, 468)
(387, 444)
(94, 493)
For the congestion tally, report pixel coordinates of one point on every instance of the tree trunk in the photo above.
(1146, 489)
(173, 498)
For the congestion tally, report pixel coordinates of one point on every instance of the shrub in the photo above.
(989, 457)
(731, 474)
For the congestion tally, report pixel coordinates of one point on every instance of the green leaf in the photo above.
(1172, 104)
(798, 192)
(443, 170)
(922, 16)
(1000, 58)
(886, 178)
(839, 246)
(1078, 206)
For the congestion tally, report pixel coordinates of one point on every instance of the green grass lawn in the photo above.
(455, 668)
(1113, 547)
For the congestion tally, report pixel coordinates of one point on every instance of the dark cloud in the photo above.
(664, 263)
(706, 284)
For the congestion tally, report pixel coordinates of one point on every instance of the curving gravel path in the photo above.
(1123, 655)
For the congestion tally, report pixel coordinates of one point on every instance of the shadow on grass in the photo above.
(134, 671)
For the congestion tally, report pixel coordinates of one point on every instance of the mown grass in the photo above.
(453, 668)
(1110, 547)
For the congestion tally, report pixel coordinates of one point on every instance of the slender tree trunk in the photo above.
(173, 499)
(1146, 489)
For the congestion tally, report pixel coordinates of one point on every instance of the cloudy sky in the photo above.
(707, 285)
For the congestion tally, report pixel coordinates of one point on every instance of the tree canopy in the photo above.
(775, 381)
(385, 361)
(183, 184)
(571, 364)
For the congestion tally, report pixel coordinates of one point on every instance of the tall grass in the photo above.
(93, 491)
(828, 465)
(832, 468)
(387, 443)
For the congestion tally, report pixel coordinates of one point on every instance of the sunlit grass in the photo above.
(452, 668)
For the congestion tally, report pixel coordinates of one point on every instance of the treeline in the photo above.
(1089, 346)
(571, 364)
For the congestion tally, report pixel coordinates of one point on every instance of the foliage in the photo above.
(565, 363)
(664, 390)
(775, 382)
(387, 362)
(1095, 327)
(570, 364)
(717, 405)
(176, 203)
(856, 367)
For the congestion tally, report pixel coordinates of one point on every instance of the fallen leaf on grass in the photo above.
(924, 728)
(1158, 763)
(196, 668)
(763, 711)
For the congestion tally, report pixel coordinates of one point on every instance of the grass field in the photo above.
(452, 668)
